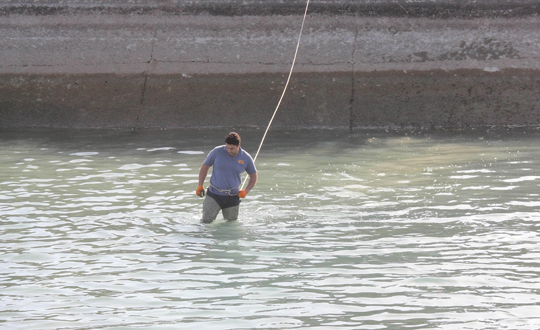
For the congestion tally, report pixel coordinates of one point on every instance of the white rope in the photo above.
(284, 90)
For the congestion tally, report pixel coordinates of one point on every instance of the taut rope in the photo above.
(284, 90)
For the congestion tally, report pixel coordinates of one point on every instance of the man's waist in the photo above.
(224, 192)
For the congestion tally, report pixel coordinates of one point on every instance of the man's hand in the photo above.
(200, 191)
(242, 193)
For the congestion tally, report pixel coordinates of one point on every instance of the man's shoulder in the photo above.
(219, 149)
(246, 154)
(213, 154)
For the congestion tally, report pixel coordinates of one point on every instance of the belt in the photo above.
(224, 191)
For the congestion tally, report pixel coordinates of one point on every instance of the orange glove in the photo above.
(200, 191)
(242, 193)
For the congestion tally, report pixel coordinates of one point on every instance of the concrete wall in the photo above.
(134, 63)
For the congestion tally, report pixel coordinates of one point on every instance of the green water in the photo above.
(363, 230)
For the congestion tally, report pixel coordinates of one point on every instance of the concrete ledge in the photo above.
(367, 8)
(102, 64)
(314, 100)
(457, 98)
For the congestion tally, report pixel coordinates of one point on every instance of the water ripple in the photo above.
(371, 230)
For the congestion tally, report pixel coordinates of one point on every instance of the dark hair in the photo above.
(233, 138)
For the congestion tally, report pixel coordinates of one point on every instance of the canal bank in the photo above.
(174, 64)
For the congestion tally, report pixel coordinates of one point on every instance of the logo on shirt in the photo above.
(241, 162)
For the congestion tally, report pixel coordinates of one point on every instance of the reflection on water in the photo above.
(362, 230)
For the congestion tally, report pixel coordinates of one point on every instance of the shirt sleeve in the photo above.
(210, 159)
(250, 168)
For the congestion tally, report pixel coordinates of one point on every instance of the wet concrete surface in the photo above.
(167, 64)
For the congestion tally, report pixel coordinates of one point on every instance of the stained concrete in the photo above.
(93, 64)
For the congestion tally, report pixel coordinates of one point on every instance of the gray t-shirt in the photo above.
(227, 171)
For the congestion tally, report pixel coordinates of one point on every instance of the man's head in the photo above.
(232, 141)
(233, 138)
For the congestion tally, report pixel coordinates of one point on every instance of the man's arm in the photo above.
(203, 172)
(252, 181)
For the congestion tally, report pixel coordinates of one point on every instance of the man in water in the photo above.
(229, 162)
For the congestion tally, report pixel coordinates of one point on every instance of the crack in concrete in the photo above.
(264, 63)
(146, 74)
(97, 64)
(27, 65)
(351, 101)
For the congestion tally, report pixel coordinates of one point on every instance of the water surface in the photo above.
(363, 230)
